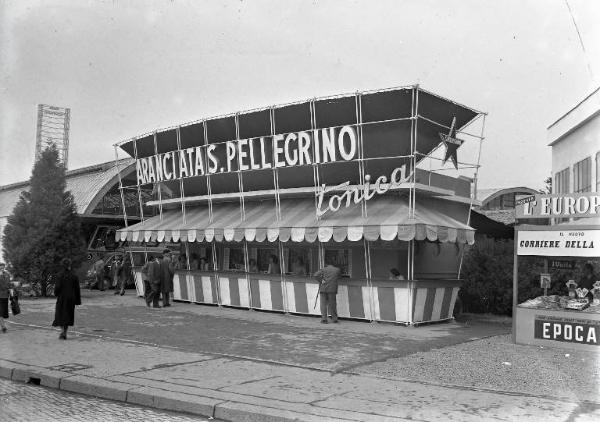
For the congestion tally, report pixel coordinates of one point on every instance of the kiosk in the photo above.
(258, 201)
(570, 318)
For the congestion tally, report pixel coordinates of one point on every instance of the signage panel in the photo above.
(561, 264)
(569, 330)
(580, 243)
(558, 205)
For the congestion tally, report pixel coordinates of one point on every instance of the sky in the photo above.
(125, 68)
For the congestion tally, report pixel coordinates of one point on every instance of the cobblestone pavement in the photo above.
(29, 403)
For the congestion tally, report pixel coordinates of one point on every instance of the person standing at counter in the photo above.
(252, 267)
(154, 276)
(328, 286)
(166, 277)
(273, 265)
(194, 264)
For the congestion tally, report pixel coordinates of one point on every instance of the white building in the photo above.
(575, 142)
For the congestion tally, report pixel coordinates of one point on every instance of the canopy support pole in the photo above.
(160, 208)
(473, 192)
(208, 184)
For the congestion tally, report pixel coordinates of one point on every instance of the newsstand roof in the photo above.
(87, 184)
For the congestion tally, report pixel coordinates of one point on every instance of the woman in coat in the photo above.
(68, 296)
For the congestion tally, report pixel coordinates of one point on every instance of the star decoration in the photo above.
(451, 143)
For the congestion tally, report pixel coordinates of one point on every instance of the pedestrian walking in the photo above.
(66, 290)
(99, 271)
(4, 294)
(116, 274)
(154, 279)
(328, 286)
(166, 277)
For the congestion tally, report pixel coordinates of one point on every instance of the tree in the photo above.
(43, 227)
(548, 185)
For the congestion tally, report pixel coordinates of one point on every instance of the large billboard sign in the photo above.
(563, 205)
(296, 148)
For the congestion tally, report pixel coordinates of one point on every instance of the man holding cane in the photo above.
(328, 286)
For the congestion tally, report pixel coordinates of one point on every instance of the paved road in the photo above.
(30, 403)
(272, 337)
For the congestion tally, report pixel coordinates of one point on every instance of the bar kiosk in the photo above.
(258, 201)
(570, 318)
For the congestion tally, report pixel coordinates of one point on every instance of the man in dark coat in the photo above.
(328, 287)
(166, 276)
(66, 290)
(154, 280)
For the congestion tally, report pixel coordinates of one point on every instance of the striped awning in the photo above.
(387, 219)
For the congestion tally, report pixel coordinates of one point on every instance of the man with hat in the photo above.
(166, 276)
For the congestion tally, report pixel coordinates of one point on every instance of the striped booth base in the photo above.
(407, 302)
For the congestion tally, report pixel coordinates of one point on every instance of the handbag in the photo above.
(14, 304)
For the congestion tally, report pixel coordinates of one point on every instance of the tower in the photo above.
(53, 128)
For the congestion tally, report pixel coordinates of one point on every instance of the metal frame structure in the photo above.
(53, 126)
(316, 189)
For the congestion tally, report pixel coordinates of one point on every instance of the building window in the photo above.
(561, 182)
(582, 176)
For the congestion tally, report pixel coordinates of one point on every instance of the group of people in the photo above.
(157, 274)
(119, 274)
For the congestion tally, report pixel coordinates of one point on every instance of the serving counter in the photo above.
(399, 301)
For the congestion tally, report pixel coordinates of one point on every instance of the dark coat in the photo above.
(153, 272)
(166, 275)
(328, 279)
(68, 296)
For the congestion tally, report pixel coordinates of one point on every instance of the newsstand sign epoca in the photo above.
(566, 330)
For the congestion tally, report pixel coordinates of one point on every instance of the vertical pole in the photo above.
(473, 194)
(247, 269)
(411, 282)
(414, 151)
(361, 152)
(216, 269)
(181, 193)
(367, 248)
(316, 178)
(515, 286)
(208, 184)
(139, 190)
(121, 186)
(239, 171)
(187, 254)
(160, 209)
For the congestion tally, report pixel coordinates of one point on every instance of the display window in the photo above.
(299, 261)
(559, 283)
(233, 259)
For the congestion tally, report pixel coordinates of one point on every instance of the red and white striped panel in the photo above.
(266, 293)
(353, 301)
(234, 290)
(434, 303)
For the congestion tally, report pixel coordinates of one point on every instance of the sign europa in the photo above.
(297, 148)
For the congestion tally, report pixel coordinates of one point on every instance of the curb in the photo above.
(208, 407)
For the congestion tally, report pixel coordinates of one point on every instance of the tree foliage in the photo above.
(488, 277)
(43, 227)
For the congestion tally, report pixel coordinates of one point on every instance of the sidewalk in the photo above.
(244, 388)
